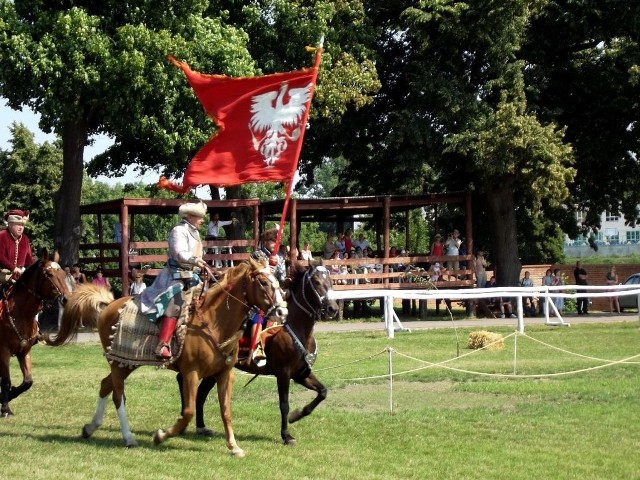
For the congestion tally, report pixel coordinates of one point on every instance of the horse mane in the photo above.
(83, 306)
(219, 290)
(30, 271)
(297, 270)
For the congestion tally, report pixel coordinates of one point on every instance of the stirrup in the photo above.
(259, 358)
(163, 351)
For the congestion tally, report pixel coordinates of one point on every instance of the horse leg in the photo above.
(205, 387)
(225, 389)
(118, 376)
(188, 398)
(106, 387)
(5, 385)
(312, 383)
(283, 397)
(27, 380)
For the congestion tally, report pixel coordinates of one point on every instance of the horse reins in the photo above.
(12, 321)
(26, 341)
(272, 300)
(316, 313)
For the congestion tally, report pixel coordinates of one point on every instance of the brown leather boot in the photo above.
(167, 327)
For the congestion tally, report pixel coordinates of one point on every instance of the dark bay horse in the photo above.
(19, 305)
(291, 351)
(207, 351)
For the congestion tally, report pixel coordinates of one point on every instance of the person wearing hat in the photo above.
(163, 301)
(437, 249)
(15, 248)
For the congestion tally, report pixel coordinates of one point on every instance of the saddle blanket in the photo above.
(135, 338)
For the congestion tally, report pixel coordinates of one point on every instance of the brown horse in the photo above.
(19, 305)
(206, 352)
(291, 351)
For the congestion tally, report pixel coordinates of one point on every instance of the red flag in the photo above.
(261, 124)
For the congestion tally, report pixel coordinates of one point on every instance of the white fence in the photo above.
(392, 322)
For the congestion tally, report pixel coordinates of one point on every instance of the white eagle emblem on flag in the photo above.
(275, 122)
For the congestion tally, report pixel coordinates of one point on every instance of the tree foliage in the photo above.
(99, 67)
(29, 175)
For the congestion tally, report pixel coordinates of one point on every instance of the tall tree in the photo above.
(99, 67)
(583, 59)
(452, 114)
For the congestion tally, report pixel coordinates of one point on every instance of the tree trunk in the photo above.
(68, 227)
(504, 250)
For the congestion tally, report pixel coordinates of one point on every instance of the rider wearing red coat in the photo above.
(15, 248)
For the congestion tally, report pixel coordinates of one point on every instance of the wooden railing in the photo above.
(399, 273)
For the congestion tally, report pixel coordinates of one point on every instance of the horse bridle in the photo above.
(275, 303)
(12, 321)
(49, 276)
(273, 300)
(318, 312)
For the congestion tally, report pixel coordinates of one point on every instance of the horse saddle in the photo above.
(134, 338)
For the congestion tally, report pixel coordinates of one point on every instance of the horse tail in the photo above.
(83, 307)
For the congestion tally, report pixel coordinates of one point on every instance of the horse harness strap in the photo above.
(309, 357)
(24, 342)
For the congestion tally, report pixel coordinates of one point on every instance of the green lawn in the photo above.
(472, 420)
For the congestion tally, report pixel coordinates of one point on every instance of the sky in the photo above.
(30, 119)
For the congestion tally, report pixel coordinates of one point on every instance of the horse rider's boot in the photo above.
(167, 327)
(259, 357)
(253, 353)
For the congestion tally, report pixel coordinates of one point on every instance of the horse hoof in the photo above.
(130, 443)
(7, 414)
(289, 440)
(205, 432)
(158, 437)
(237, 452)
(86, 432)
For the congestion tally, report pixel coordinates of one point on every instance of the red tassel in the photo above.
(166, 184)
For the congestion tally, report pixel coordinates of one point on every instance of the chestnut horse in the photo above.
(19, 305)
(207, 351)
(291, 351)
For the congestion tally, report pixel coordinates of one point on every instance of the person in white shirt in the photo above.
(361, 242)
(137, 286)
(214, 232)
(306, 253)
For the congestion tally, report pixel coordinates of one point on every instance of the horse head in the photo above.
(311, 289)
(45, 280)
(263, 291)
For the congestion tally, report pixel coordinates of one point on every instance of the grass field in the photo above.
(472, 420)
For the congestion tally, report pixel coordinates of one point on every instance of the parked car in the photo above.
(630, 301)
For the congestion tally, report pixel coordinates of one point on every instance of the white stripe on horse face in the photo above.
(279, 300)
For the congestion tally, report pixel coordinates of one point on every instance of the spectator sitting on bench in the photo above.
(435, 272)
(503, 303)
(528, 304)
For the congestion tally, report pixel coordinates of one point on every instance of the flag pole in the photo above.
(303, 124)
